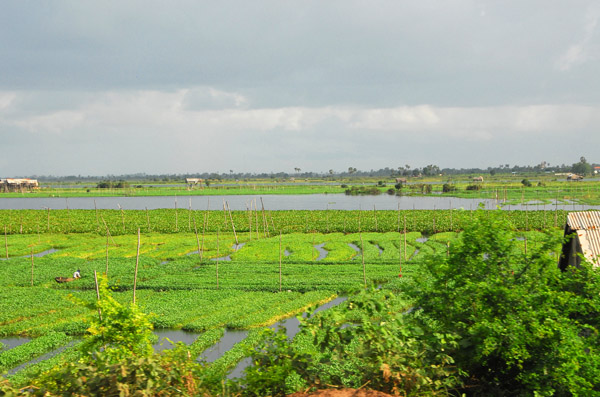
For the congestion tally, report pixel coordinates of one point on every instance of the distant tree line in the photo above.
(582, 167)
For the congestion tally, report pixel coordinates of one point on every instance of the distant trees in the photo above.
(112, 184)
(582, 167)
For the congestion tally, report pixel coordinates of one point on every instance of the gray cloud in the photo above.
(114, 87)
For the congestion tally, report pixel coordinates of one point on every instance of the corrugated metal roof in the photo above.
(587, 226)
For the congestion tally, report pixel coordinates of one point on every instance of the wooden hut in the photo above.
(583, 232)
(401, 180)
(191, 182)
(478, 179)
(18, 184)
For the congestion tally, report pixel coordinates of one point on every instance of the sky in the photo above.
(157, 87)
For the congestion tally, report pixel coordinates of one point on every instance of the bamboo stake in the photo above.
(203, 231)
(399, 257)
(176, 219)
(122, 216)
(404, 237)
(447, 248)
(256, 220)
(97, 295)
(232, 225)
(218, 253)
(197, 240)
(249, 213)
(190, 216)
(108, 231)
(32, 266)
(5, 242)
(148, 220)
(362, 248)
(106, 273)
(375, 216)
(48, 218)
(137, 261)
(96, 210)
(279, 261)
(265, 223)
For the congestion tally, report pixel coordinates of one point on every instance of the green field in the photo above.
(278, 272)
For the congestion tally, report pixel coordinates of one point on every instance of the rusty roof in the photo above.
(587, 226)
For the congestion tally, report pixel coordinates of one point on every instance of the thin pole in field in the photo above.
(176, 219)
(447, 248)
(434, 219)
(257, 225)
(190, 216)
(137, 261)
(106, 273)
(197, 240)
(375, 217)
(218, 253)
(203, 231)
(272, 222)
(108, 231)
(280, 261)
(249, 212)
(232, 224)
(48, 219)
(265, 224)
(451, 218)
(148, 219)
(97, 295)
(398, 217)
(32, 266)
(122, 216)
(362, 249)
(5, 242)
(399, 257)
(404, 237)
(224, 213)
(96, 210)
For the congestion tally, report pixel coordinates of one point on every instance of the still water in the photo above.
(272, 202)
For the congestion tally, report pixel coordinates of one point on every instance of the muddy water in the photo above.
(38, 255)
(227, 341)
(322, 251)
(11, 342)
(174, 335)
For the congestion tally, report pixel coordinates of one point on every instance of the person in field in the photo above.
(77, 274)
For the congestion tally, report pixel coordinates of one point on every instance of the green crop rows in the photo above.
(278, 272)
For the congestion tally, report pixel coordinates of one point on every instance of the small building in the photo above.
(18, 185)
(401, 180)
(191, 182)
(584, 231)
(478, 179)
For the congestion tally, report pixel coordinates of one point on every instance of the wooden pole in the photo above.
(48, 219)
(197, 240)
(203, 231)
(218, 253)
(399, 257)
(96, 210)
(122, 216)
(265, 223)
(5, 242)
(176, 219)
(279, 261)
(97, 295)
(249, 212)
(362, 248)
(190, 216)
(137, 261)
(106, 273)
(232, 224)
(107, 230)
(405, 238)
(32, 266)
(257, 226)
(375, 217)
(148, 219)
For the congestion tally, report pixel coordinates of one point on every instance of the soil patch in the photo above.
(342, 393)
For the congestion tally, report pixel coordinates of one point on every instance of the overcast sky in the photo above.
(116, 87)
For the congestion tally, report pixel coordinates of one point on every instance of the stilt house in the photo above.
(584, 229)
(18, 185)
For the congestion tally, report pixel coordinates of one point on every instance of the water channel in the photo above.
(274, 202)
